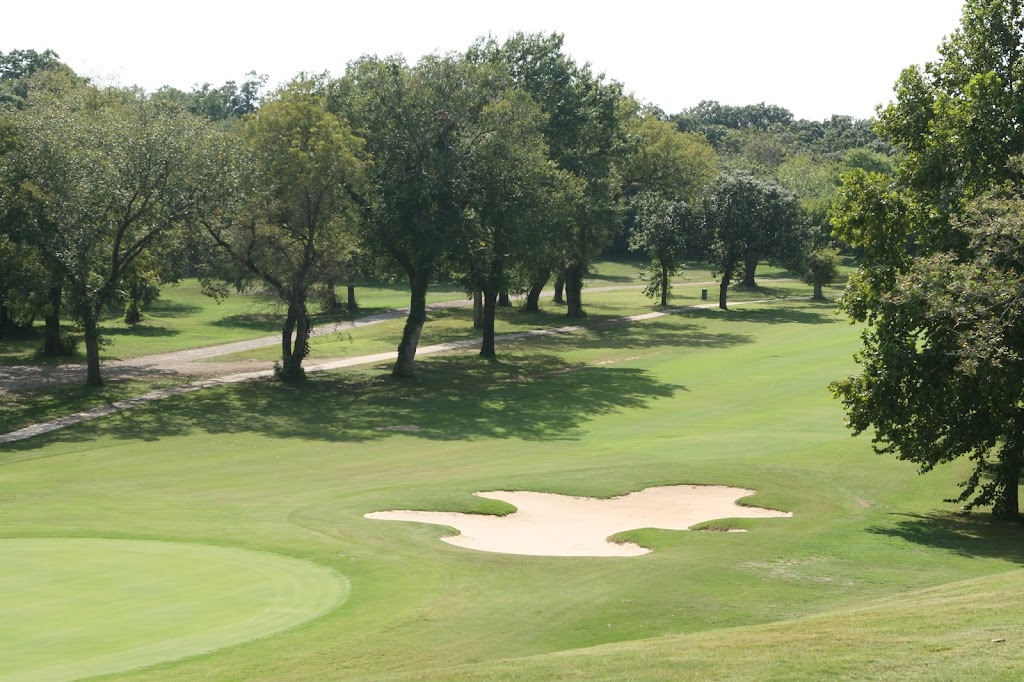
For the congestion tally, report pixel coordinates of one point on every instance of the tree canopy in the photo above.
(747, 219)
(99, 175)
(939, 283)
(290, 204)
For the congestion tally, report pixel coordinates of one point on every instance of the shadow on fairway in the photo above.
(808, 313)
(143, 330)
(604, 280)
(173, 308)
(673, 333)
(969, 535)
(535, 397)
(261, 322)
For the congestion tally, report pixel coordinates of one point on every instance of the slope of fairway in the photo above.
(736, 398)
(80, 607)
(968, 630)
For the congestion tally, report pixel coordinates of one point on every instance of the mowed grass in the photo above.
(76, 607)
(871, 557)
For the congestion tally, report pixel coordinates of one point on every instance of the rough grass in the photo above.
(733, 398)
(968, 630)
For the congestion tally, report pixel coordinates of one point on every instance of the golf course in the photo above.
(222, 534)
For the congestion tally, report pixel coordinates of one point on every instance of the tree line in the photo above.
(503, 167)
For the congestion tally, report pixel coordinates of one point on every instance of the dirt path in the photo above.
(251, 374)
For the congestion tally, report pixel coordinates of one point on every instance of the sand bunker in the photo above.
(546, 524)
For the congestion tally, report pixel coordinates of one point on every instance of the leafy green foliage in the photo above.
(666, 231)
(944, 362)
(747, 219)
(18, 67)
(287, 204)
(663, 160)
(585, 134)
(820, 268)
(100, 175)
(938, 286)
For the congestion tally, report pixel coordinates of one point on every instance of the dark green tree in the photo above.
(585, 134)
(746, 219)
(18, 67)
(413, 119)
(820, 268)
(665, 230)
(938, 286)
(942, 371)
(101, 175)
(288, 202)
(513, 201)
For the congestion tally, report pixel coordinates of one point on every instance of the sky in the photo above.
(814, 57)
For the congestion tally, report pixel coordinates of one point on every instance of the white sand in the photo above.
(557, 525)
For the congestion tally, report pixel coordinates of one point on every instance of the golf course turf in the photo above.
(873, 576)
(78, 607)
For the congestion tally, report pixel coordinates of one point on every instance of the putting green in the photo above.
(79, 607)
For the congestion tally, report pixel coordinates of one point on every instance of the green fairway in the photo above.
(78, 607)
(871, 556)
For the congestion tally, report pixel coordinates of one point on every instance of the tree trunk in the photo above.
(1007, 505)
(53, 346)
(404, 366)
(331, 297)
(664, 285)
(294, 346)
(490, 307)
(478, 309)
(749, 266)
(818, 294)
(350, 287)
(533, 298)
(559, 287)
(533, 295)
(133, 311)
(6, 324)
(574, 292)
(503, 300)
(92, 351)
(723, 290)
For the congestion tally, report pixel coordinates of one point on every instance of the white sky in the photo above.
(814, 57)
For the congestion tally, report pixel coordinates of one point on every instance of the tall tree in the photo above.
(938, 286)
(584, 132)
(748, 218)
(412, 118)
(289, 203)
(102, 174)
(230, 101)
(515, 201)
(18, 69)
(665, 230)
(661, 159)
